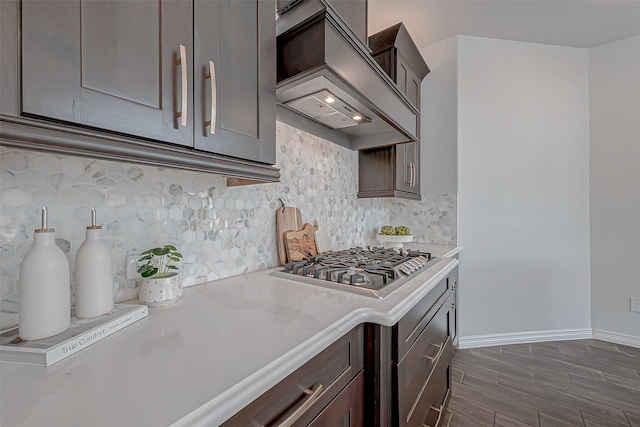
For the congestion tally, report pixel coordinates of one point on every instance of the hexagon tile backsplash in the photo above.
(221, 231)
(434, 219)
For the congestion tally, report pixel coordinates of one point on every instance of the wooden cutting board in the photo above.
(287, 218)
(301, 244)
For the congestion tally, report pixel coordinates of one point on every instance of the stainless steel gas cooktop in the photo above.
(372, 271)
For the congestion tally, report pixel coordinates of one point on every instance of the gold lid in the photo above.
(94, 227)
(44, 230)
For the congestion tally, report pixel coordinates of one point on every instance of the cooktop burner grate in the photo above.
(372, 271)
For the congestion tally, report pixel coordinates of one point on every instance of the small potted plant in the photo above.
(161, 283)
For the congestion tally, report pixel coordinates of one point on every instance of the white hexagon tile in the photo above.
(221, 231)
(434, 219)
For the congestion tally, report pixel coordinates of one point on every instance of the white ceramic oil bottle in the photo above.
(94, 274)
(45, 289)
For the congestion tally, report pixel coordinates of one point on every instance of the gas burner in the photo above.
(373, 271)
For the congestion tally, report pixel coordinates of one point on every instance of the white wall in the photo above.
(439, 125)
(523, 123)
(615, 186)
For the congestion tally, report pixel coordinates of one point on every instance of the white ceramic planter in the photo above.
(161, 292)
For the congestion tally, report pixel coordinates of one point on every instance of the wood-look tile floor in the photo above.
(586, 383)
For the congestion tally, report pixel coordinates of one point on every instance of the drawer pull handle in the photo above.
(312, 397)
(182, 62)
(212, 75)
(439, 410)
(434, 358)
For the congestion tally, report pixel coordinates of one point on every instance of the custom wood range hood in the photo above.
(325, 72)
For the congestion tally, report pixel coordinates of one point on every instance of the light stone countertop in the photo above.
(436, 250)
(201, 360)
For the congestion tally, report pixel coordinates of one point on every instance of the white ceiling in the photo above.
(576, 23)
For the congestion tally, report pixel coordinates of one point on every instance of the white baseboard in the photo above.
(474, 341)
(524, 337)
(616, 338)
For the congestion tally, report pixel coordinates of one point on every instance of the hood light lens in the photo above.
(328, 109)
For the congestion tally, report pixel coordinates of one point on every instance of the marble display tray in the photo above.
(394, 241)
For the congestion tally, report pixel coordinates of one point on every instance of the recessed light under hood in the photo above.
(318, 56)
(328, 109)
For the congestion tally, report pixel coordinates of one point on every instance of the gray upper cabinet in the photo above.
(408, 168)
(400, 70)
(392, 171)
(395, 171)
(183, 83)
(232, 46)
(111, 65)
(354, 14)
(394, 49)
(407, 81)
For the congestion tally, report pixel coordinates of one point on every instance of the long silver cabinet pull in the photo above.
(411, 174)
(182, 62)
(414, 174)
(312, 397)
(434, 358)
(214, 97)
(411, 179)
(407, 175)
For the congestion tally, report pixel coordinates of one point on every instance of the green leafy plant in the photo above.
(388, 230)
(157, 262)
(403, 230)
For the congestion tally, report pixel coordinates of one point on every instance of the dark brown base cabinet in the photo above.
(193, 78)
(408, 366)
(397, 376)
(326, 391)
(454, 307)
(347, 409)
(422, 375)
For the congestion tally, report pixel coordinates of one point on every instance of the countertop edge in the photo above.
(453, 252)
(217, 410)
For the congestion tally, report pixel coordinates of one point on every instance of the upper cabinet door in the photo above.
(234, 69)
(407, 81)
(114, 65)
(403, 168)
(408, 167)
(413, 158)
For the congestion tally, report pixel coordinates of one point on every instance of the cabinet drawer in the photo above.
(406, 331)
(307, 390)
(347, 409)
(431, 401)
(418, 364)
